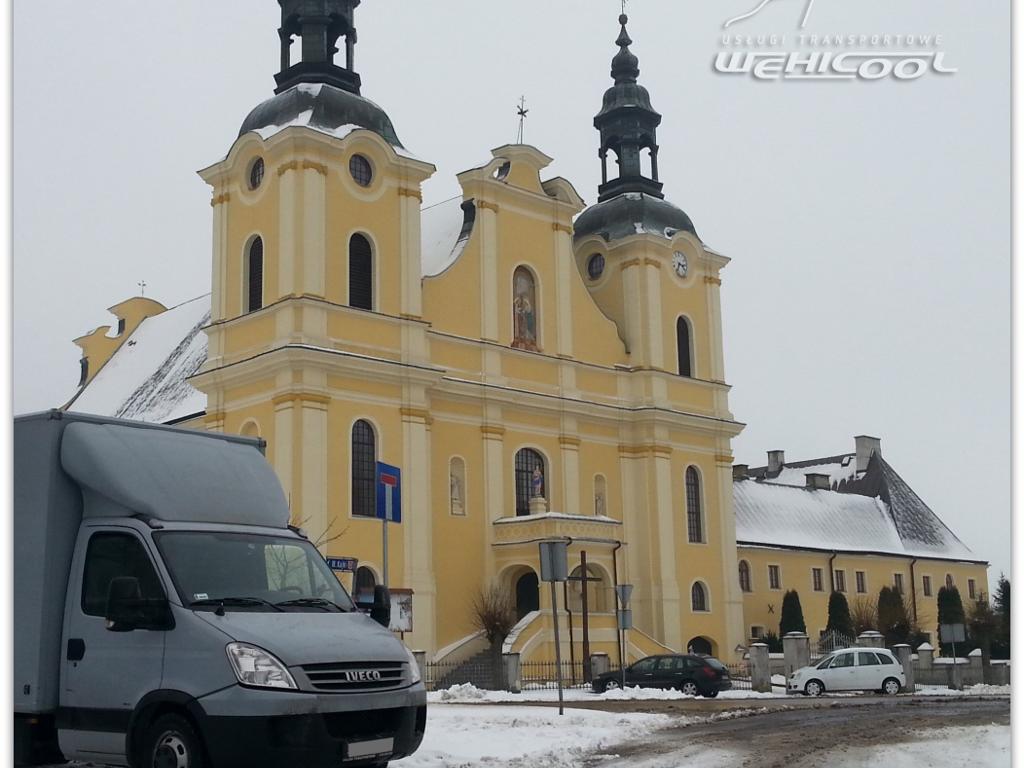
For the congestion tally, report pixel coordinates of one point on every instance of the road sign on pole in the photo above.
(389, 505)
(554, 567)
(625, 621)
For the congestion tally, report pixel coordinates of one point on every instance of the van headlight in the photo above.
(256, 667)
(414, 668)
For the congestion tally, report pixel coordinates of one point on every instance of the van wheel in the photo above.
(814, 688)
(891, 686)
(172, 742)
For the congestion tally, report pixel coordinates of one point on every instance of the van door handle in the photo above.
(76, 649)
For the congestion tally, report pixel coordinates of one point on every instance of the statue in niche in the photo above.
(456, 493)
(524, 303)
(537, 483)
(599, 504)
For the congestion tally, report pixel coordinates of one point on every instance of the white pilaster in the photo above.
(419, 528)
(287, 247)
(314, 230)
(565, 266)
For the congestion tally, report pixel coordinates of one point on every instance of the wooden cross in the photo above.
(583, 579)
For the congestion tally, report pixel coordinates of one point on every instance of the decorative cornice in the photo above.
(559, 227)
(309, 165)
(492, 433)
(567, 441)
(407, 192)
(222, 198)
(413, 414)
(291, 165)
(301, 398)
(214, 416)
(724, 458)
(484, 205)
(640, 451)
(712, 280)
(644, 261)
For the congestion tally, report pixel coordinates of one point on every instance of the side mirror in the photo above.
(381, 611)
(128, 610)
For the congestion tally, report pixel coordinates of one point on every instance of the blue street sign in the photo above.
(346, 564)
(389, 493)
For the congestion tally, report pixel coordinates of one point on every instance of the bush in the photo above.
(839, 619)
(951, 611)
(792, 619)
(773, 641)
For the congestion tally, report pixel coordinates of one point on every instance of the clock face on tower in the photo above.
(679, 263)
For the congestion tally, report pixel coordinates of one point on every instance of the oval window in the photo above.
(595, 267)
(361, 170)
(256, 173)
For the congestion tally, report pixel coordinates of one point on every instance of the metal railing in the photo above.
(540, 675)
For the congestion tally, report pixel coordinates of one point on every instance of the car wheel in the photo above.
(611, 685)
(891, 686)
(172, 742)
(689, 688)
(710, 694)
(814, 688)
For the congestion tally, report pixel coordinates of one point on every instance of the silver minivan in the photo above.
(851, 669)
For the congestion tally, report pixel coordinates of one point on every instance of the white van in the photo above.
(851, 669)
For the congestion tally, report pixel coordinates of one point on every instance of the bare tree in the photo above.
(494, 613)
(864, 614)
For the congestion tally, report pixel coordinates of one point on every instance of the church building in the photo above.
(537, 367)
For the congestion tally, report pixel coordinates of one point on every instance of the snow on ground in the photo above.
(467, 693)
(970, 690)
(522, 737)
(980, 747)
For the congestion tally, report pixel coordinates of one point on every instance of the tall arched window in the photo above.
(745, 576)
(254, 275)
(525, 314)
(694, 521)
(530, 479)
(364, 470)
(683, 347)
(698, 597)
(360, 273)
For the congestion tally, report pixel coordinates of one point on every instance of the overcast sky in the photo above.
(868, 223)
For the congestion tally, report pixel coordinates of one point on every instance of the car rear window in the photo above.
(715, 664)
(885, 658)
(868, 659)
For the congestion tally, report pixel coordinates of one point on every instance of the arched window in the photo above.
(254, 276)
(694, 521)
(365, 582)
(364, 470)
(525, 313)
(745, 576)
(360, 273)
(698, 597)
(683, 347)
(531, 481)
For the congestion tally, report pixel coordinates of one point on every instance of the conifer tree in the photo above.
(1001, 603)
(951, 611)
(792, 619)
(893, 621)
(839, 619)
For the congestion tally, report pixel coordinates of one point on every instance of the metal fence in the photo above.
(538, 675)
(739, 673)
(482, 671)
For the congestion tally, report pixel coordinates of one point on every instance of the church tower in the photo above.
(649, 272)
(316, 322)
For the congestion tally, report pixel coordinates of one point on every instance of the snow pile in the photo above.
(533, 737)
(971, 690)
(441, 237)
(467, 693)
(980, 747)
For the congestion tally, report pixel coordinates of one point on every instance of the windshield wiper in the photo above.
(220, 602)
(315, 602)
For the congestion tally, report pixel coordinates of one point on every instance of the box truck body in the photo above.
(164, 607)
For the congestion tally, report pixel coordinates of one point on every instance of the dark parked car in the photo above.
(689, 673)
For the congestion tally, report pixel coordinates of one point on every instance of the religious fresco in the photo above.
(524, 310)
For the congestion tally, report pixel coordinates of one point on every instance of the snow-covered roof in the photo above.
(776, 515)
(767, 513)
(146, 379)
(444, 232)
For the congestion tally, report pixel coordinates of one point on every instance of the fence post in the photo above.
(797, 649)
(599, 663)
(760, 668)
(871, 639)
(902, 651)
(976, 672)
(925, 656)
(513, 681)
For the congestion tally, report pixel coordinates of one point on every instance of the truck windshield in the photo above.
(216, 570)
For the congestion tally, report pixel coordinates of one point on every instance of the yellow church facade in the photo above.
(536, 367)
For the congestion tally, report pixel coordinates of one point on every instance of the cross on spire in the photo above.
(142, 287)
(522, 111)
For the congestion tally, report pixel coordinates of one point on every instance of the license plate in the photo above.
(360, 750)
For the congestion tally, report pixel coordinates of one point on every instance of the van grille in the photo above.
(342, 676)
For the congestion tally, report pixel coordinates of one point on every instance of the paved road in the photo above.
(801, 736)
